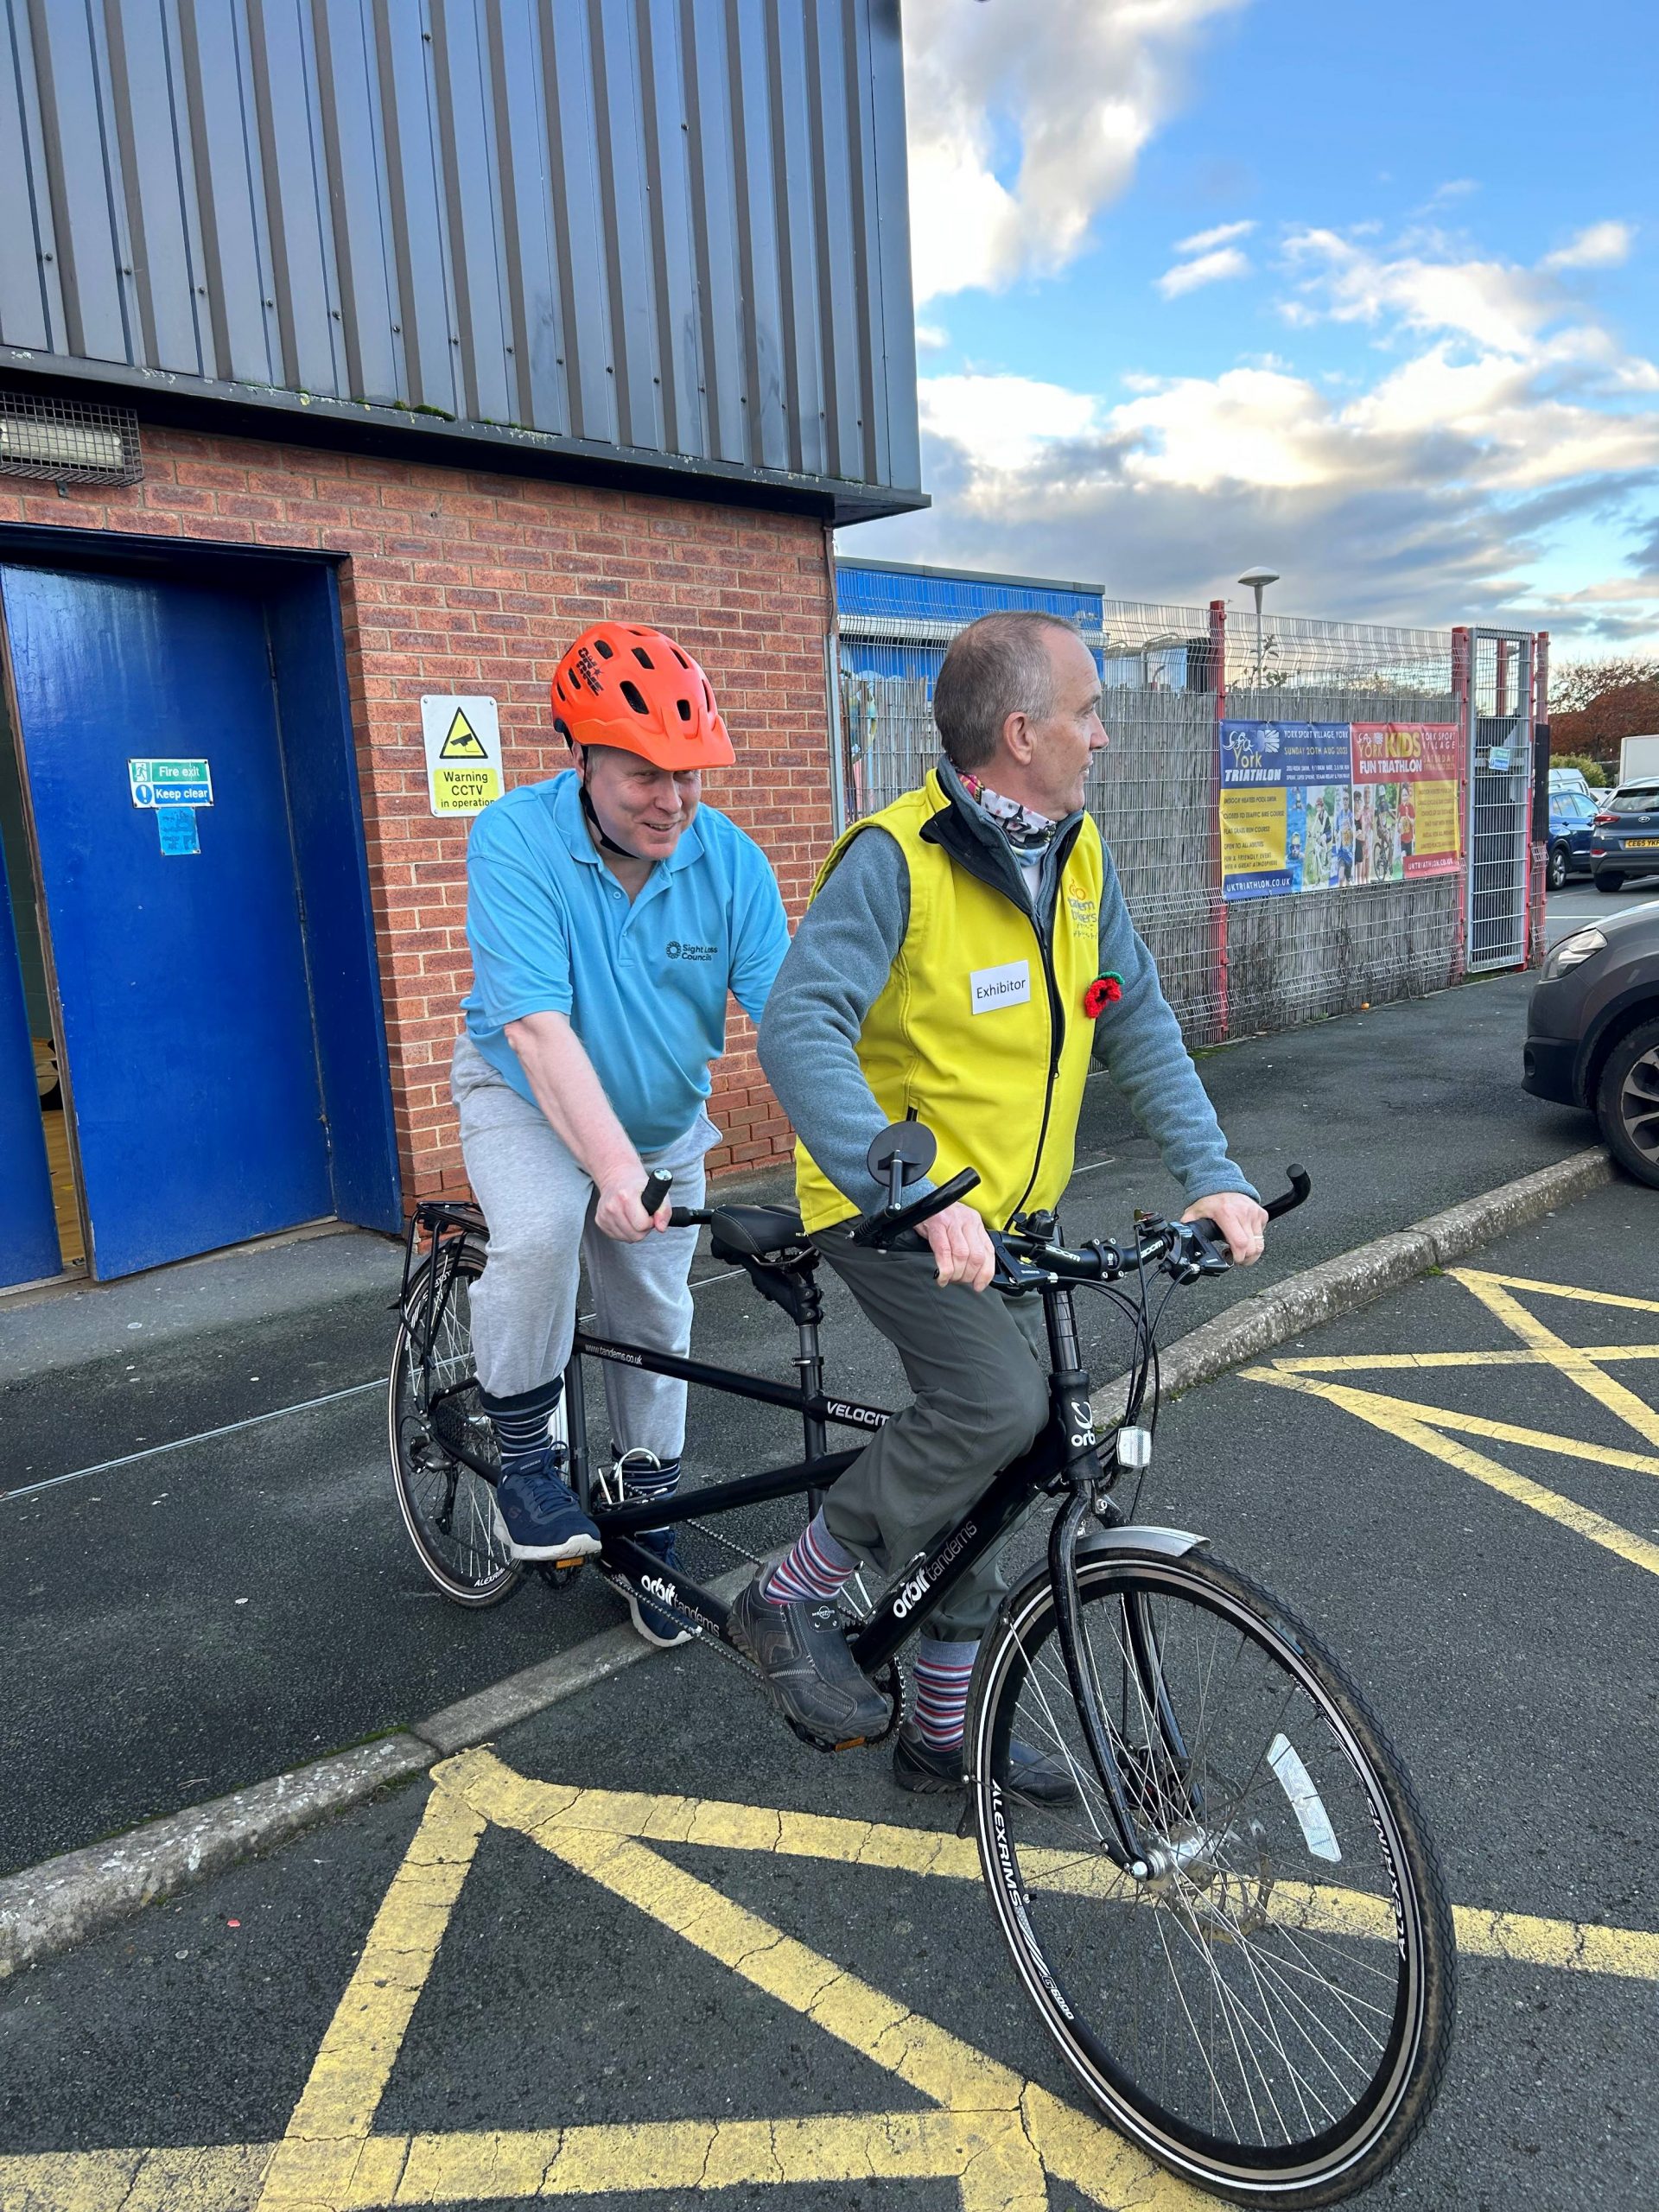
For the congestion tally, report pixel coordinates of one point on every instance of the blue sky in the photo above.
(1364, 292)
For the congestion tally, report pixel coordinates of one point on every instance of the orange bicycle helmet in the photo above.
(623, 685)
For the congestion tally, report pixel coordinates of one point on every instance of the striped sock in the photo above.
(645, 1477)
(943, 1674)
(815, 1567)
(520, 1423)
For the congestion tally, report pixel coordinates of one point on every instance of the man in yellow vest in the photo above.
(945, 966)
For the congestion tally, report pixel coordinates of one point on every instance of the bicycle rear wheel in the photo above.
(431, 1407)
(1269, 2010)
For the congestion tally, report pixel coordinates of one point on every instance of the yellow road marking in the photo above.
(1355, 1363)
(992, 2132)
(1286, 1372)
(1567, 1290)
(1495, 1295)
(1400, 1418)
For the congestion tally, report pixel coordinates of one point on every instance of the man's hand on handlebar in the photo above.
(619, 1214)
(960, 1245)
(1240, 1220)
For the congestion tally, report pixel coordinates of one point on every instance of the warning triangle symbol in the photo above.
(463, 742)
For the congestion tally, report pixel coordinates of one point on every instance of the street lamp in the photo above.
(1258, 580)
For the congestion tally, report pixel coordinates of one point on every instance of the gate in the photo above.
(1497, 700)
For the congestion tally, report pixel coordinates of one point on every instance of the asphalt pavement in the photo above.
(599, 1996)
(199, 1617)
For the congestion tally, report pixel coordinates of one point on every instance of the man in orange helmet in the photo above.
(609, 912)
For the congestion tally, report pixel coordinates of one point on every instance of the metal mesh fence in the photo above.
(1168, 672)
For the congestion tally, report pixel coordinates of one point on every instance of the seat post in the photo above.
(808, 1364)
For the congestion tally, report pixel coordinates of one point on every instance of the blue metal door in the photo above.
(181, 977)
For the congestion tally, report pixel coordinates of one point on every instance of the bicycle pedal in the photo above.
(817, 1743)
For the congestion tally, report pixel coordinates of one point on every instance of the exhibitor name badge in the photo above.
(1009, 985)
(463, 753)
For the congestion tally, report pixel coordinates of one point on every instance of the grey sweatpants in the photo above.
(978, 1364)
(538, 1200)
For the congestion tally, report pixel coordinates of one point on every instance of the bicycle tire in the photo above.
(1242, 1885)
(437, 1493)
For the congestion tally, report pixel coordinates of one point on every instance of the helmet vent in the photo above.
(642, 657)
(679, 656)
(708, 696)
(635, 698)
(684, 706)
(605, 651)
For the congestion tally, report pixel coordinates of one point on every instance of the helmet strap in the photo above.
(609, 844)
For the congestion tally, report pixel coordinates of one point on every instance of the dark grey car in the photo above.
(1592, 1032)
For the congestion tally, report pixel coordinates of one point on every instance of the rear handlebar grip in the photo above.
(880, 1228)
(1301, 1183)
(658, 1186)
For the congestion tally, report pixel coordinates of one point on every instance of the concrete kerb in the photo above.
(50, 1908)
(1354, 1279)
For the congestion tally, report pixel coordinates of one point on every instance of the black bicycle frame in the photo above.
(1063, 1457)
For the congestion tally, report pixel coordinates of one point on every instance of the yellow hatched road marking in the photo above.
(992, 2132)
(1358, 1362)
(1570, 1291)
(1400, 1418)
(1495, 1293)
(1291, 1376)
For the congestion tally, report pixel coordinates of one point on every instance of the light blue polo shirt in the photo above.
(643, 983)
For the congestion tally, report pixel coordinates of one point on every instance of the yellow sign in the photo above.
(462, 742)
(463, 753)
(1252, 831)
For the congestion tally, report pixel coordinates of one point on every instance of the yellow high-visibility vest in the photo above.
(980, 1026)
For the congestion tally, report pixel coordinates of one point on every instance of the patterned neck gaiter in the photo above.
(1029, 833)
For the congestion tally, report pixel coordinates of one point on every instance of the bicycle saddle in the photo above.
(753, 1232)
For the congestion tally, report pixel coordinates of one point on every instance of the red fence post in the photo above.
(1462, 664)
(1218, 667)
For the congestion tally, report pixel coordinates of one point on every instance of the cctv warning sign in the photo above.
(463, 753)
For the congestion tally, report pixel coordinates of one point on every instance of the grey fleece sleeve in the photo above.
(835, 970)
(1139, 1043)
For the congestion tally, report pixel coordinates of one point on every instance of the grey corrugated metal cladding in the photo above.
(673, 227)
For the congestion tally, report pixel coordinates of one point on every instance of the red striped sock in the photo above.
(814, 1567)
(943, 1674)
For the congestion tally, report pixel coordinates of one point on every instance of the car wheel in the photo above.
(1555, 877)
(1627, 1102)
(1610, 883)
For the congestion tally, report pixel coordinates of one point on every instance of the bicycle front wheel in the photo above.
(1267, 2009)
(431, 1407)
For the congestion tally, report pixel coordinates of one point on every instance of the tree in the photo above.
(1593, 703)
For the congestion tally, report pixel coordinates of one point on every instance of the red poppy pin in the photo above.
(1104, 991)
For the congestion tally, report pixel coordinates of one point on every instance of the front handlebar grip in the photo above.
(1301, 1183)
(880, 1229)
(658, 1186)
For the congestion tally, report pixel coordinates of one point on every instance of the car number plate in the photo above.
(1635, 844)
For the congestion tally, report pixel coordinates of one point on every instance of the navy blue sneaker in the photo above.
(536, 1516)
(655, 1622)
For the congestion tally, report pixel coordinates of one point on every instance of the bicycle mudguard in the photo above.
(1132, 1539)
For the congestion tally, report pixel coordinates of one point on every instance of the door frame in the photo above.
(300, 593)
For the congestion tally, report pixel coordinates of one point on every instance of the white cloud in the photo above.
(1222, 234)
(1207, 269)
(1603, 245)
(1077, 86)
(931, 338)
(1433, 485)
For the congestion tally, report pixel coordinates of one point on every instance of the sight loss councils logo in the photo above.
(677, 950)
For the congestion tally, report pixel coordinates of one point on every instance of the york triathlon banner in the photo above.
(1316, 806)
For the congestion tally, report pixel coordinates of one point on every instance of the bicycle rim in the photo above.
(1268, 2011)
(446, 1504)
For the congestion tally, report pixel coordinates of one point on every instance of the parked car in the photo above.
(1592, 1032)
(1626, 839)
(1567, 779)
(1571, 816)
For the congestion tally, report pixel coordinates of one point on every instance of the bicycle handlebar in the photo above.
(880, 1228)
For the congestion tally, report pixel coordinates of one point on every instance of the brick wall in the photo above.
(458, 580)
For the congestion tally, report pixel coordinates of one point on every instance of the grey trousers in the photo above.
(978, 1365)
(538, 1200)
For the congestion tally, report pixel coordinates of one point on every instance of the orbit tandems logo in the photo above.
(677, 950)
